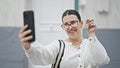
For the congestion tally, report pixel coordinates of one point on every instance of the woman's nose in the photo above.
(69, 27)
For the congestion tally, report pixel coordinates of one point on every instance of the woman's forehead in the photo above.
(69, 18)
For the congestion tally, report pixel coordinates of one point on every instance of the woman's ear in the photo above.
(81, 24)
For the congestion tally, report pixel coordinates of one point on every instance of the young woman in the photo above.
(78, 52)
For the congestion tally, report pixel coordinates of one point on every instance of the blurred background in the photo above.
(48, 15)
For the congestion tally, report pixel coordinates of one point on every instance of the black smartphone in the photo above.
(28, 17)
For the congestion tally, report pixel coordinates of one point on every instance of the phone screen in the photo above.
(29, 20)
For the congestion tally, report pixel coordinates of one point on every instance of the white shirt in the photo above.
(91, 54)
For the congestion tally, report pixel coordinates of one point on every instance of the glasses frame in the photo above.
(71, 23)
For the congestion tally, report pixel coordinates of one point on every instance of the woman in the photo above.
(78, 53)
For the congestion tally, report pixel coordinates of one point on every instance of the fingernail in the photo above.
(29, 30)
(31, 36)
(26, 25)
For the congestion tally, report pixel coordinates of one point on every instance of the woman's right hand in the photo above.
(24, 38)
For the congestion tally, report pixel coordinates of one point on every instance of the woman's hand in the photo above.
(24, 38)
(91, 27)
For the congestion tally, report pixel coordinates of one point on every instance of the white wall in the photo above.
(110, 20)
(11, 12)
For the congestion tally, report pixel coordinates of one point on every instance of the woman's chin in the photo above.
(72, 36)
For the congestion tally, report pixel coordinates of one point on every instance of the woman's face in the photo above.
(72, 26)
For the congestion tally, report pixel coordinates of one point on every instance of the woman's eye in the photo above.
(65, 24)
(72, 22)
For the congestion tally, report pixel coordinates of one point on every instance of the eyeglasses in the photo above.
(73, 23)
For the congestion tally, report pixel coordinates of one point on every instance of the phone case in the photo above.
(29, 20)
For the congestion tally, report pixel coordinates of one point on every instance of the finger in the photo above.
(23, 29)
(23, 40)
(25, 33)
(92, 23)
(89, 21)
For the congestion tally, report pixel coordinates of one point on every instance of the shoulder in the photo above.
(57, 41)
(85, 40)
(54, 43)
(91, 39)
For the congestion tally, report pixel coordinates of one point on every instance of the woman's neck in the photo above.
(75, 41)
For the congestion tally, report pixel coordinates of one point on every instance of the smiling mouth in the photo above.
(72, 31)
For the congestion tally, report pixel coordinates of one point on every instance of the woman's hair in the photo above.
(71, 12)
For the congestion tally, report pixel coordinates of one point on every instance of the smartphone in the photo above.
(28, 17)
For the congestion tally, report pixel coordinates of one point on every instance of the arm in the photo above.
(43, 55)
(97, 53)
(37, 53)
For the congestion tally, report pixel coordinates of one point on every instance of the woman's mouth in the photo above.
(72, 32)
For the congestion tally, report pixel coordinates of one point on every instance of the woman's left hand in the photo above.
(91, 27)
